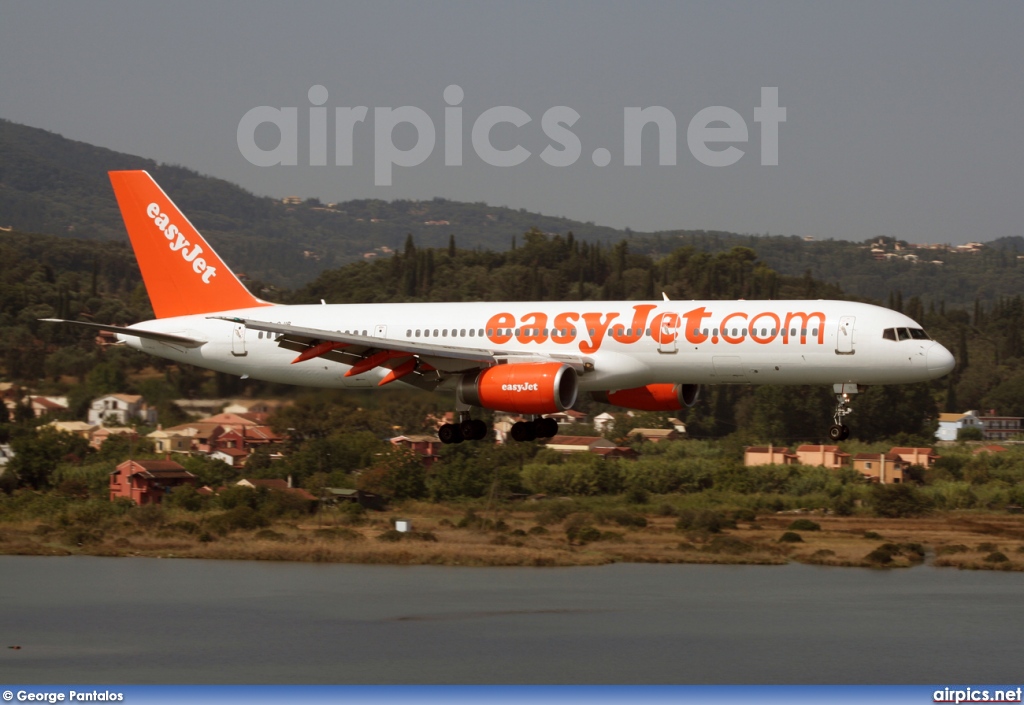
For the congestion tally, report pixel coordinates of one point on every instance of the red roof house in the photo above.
(147, 481)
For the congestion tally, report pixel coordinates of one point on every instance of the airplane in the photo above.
(530, 358)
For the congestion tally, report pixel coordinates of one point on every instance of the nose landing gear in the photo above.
(839, 431)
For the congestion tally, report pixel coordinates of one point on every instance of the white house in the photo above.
(121, 410)
(603, 422)
(950, 424)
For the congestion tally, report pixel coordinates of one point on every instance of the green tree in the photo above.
(37, 455)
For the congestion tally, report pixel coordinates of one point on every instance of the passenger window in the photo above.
(462, 333)
(490, 332)
(408, 333)
(472, 332)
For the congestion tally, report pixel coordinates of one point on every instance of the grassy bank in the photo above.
(546, 533)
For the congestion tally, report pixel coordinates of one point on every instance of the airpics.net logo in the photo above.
(714, 135)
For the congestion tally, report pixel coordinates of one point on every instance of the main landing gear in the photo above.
(532, 430)
(466, 430)
(476, 430)
(839, 431)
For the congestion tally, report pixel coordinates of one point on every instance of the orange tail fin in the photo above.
(182, 273)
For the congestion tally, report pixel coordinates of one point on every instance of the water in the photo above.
(136, 620)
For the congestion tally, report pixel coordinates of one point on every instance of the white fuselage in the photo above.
(630, 344)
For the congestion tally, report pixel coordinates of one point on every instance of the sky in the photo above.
(900, 119)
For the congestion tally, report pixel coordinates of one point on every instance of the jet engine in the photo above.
(525, 388)
(653, 397)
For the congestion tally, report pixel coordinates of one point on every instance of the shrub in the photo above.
(579, 531)
(337, 532)
(996, 557)
(269, 535)
(899, 501)
(148, 516)
(240, 518)
(703, 520)
(187, 527)
(391, 536)
(538, 531)
(622, 518)
(729, 545)
(791, 537)
(880, 556)
(951, 549)
(555, 511)
(80, 536)
(352, 514)
(805, 525)
(638, 495)
(987, 546)
(394, 536)
(667, 510)
(185, 497)
(747, 515)
(872, 535)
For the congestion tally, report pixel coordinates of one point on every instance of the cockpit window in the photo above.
(905, 334)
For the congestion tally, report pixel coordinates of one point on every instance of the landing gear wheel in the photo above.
(473, 430)
(546, 428)
(450, 433)
(839, 432)
(523, 431)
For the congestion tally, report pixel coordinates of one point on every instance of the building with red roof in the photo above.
(148, 481)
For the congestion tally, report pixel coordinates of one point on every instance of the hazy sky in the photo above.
(904, 119)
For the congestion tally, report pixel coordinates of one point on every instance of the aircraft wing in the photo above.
(168, 338)
(430, 360)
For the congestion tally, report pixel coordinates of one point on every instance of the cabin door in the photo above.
(238, 340)
(844, 336)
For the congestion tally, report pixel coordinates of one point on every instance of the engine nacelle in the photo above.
(653, 397)
(525, 388)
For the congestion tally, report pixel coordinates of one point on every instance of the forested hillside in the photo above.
(49, 184)
(53, 185)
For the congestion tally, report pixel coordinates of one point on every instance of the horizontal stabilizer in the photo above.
(148, 334)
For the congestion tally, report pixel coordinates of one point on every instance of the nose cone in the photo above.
(940, 361)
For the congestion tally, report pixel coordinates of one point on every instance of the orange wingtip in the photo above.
(183, 274)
